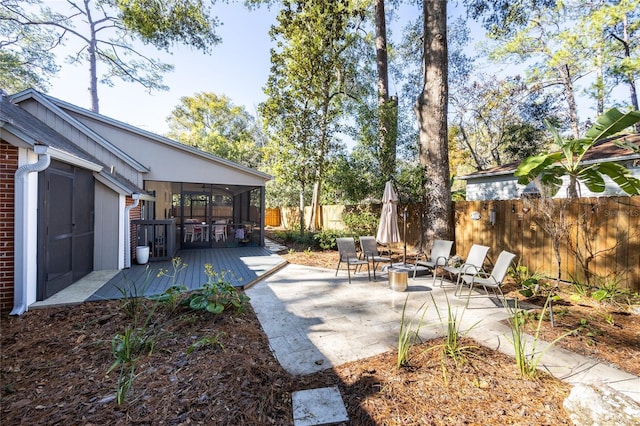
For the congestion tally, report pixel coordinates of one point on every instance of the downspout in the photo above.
(127, 230)
(21, 210)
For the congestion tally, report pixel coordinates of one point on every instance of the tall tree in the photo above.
(431, 112)
(548, 41)
(105, 31)
(500, 120)
(310, 77)
(26, 59)
(213, 124)
(610, 31)
(387, 106)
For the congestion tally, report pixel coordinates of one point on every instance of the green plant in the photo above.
(127, 348)
(361, 222)
(530, 282)
(451, 347)
(326, 239)
(579, 287)
(587, 330)
(549, 168)
(171, 297)
(216, 294)
(204, 342)
(528, 360)
(132, 302)
(608, 290)
(408, 336)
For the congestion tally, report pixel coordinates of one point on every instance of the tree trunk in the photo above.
(563, 70)
(315, 222)
(93, 63)
(599, 83)
(630, 78)
(301, 210)
(387, 108)
(431, 113)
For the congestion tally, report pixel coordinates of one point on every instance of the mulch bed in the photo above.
(55, 362)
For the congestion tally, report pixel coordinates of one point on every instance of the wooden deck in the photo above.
(243, 267)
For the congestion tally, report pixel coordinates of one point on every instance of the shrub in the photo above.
(326, 240)
(363, 222)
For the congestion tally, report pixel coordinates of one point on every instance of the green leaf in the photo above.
(612, 122)
(592, 179)
(198, 302)
(527, 292)
(621, 176)
(530, 165)
(215, 308)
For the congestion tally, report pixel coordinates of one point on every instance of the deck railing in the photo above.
(158, 235)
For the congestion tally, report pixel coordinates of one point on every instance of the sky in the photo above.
(238, 68)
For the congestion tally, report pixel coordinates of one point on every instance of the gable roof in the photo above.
(95, 137)
(155, 137)
(22, 129)
(604, 150)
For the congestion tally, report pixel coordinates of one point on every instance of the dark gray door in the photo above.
(65, 240)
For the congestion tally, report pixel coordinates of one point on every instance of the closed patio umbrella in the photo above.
(388, 228)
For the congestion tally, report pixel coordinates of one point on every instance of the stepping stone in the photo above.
(322, 406)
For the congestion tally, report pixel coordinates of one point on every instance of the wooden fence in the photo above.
(600, 234)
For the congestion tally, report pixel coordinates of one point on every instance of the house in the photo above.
(499, 183)
(80, 192)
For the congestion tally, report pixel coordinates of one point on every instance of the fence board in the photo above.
(613, 230)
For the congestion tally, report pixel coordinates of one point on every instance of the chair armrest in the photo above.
(469, 266)
(444, 260)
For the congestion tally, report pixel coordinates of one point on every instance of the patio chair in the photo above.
(439, 255)
(348, 255)
(370, 252)
(192, 232)
(472, 264)
(492, 280)
(220, 232)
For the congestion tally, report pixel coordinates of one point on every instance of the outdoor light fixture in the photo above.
(475, 216)
(513, 208)
(492, 216)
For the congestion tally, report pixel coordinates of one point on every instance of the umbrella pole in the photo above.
(404, 237)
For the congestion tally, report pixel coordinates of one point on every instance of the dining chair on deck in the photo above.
(192, 231)
(220, 231)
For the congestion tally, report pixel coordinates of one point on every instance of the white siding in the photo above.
(505, 187)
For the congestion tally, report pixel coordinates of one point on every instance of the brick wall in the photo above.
(8, 167)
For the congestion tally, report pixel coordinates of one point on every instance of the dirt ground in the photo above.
(206, 368)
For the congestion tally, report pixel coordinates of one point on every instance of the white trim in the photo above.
(64, 156)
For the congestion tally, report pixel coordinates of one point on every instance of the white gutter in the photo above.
(127, 230)
(20, 239)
